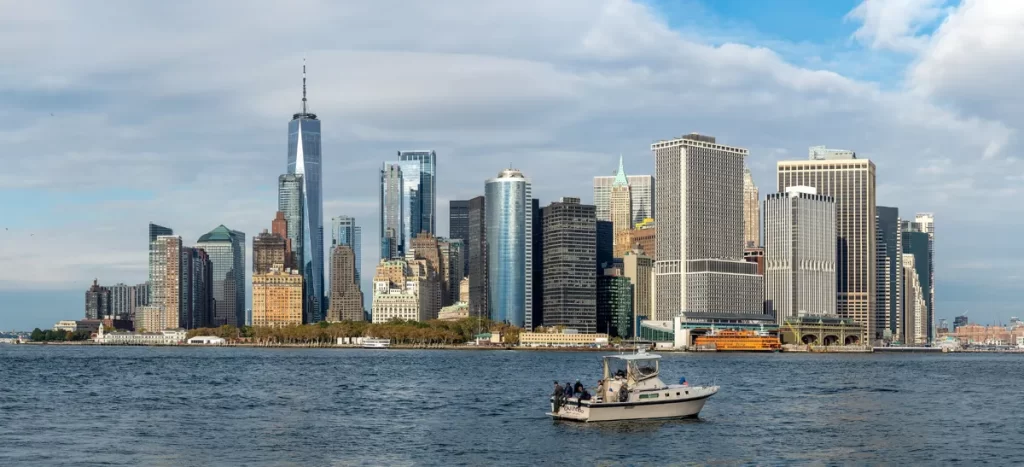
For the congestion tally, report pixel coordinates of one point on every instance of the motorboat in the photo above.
(632, 390)
(376, 343)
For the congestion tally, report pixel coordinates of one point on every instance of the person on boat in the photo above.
(568, 389)
(577, 388)
(557, 395)
(585, 396)
(682, 380)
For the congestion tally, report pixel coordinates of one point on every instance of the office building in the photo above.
(756, 256)
(917, 242)
(268, 249)
(226, 249)
(699, 268)
(408, 197)
(197, 289)
(800, 254)
(97, 301)
(615, 304)
(427, 191)
(915, 311)
(124, 299)
(279, 227)
(165, 290)
(458, 225)
(453, 253)
(426, 247)
(570, 252)
(639, 269)
(641, 237)
(889, 271)
(538, 262)
(277, 297)
(509, 248)
(346, 302)
(154, 232)
(925, 222)
(344, 231)
(304, 158)
(393, 217)
(605, 244)
(290, 202)
(397, 294)
(641, 191)
(620, 206)
(851, 182)
(959, 321)
(751, 212)
(477, 248)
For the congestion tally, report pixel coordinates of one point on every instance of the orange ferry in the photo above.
(746, 341)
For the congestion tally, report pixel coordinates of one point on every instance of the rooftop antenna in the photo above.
(303, 85)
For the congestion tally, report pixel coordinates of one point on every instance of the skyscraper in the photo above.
(620, 206)
(392, 211)
(639, 269)
(800, 254)
(614, 310)
(277, 297)
(279, 227)
(851, 182)
(344, 231)
(426, 247)
(197, 300)
(509, 248)
(346, 302)
(751, 212)
(154, 232)
(570, 252)
(890, 290)
(478, 288)
(458, 224)
(538, 262)
(427, 190)
(917, 242)
(97, 301)
(291, 200)
(226, 250)
(926, 221)
(915, 313)
(453, 254)
(165, 290)
(699, 244)
(641, 190)
(401, 184)
(268, 249)
(124, 300)
(304, 159)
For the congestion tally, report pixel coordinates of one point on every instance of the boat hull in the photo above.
(683, 406)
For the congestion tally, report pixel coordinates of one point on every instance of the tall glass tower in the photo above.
(509, 232)
(427, 189)
(344, 231)
(226, 250)
(409, 200)
(304, 159)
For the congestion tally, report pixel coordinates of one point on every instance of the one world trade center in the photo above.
(304, 159)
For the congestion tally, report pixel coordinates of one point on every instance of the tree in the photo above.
(37, 335)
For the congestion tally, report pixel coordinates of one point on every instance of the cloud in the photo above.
(895, 24)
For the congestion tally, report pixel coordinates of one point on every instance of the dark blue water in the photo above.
(216, 406)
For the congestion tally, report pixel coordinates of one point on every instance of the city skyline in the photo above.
(916, 176)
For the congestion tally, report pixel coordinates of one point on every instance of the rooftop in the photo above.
(219, 234)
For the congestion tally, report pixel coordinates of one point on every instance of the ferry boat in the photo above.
(743, 341)
(632, 390)
(376, 343)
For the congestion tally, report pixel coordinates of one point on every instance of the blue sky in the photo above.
(185, 123)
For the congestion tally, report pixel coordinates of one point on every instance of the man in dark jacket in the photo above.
(557, 395)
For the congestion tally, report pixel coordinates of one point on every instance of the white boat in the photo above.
(631, 390)
(376, 343)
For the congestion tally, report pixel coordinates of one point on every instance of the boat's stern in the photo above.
(570, 409)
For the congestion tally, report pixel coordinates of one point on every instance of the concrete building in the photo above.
(427, 248)
(915, 311)
(464, 290)
(641, 190)
(851, 182)
(344, 231)
(148, 318)
(477, 248)
(397, 293)
(751, 212)
(925, 222)
(800, 254)
(509, 248)
(277, 297)
(917, 242)
(197, 286)
(166, 289)
(642, 237)
(226, 249)
(639, 269)
(621, 206)
(889, 271)
(615, 304)
(346, 302)
(458, 226)
(124, 299)
(97, 301)
(566, 338)
(453, 254)
(279, 227)
(154, 232)
(570, 282)
(164, 337)
(756, 256)
(699, 267)
(454, 312)
(268, 249)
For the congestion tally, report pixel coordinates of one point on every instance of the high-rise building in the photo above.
(700, 270)
(277, 297)
(304, 158)
(154, 232)
(268, 249)
(290, 202)
(615, 304)
(605, 245)
(458, 225)
(453, 253)
(226, 249)
(915, 312)
(917, 242)
(959, 321)
(620, 206)
(800, 254)
(851, 182)
(639, 269)
(344, 231)
(197, 284)
(397, 293)
(538, 261)
(124, 299)
(166, 287)
(392, 211)
(427, 248)
(641, 191)
(641, 237)
(478, 288)
(509, 248)
(97, 301)
(926, 223)
(570, 252)
(346, 302)
(751, 212)
(889, 269)
(427, 190)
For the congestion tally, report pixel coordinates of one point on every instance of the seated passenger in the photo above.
(585, 396)
(568, 389)
(577, 388)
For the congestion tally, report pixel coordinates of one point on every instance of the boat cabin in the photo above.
(626, 373)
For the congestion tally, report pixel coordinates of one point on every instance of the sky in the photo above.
(113, 115)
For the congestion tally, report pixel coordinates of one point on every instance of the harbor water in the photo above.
(91, 405)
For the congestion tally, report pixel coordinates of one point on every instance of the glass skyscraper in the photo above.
(408, 205)
(428, 188)
(392, 210)
(226, 250)
(509, 231)
(344, 231)
(304, 159)
(290, 202)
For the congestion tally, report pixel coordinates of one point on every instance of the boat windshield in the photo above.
(643, 369)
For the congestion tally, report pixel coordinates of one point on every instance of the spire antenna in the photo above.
(303, 84)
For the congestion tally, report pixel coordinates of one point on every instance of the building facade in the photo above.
(346, 302)
(97, 301)
(478, 287)
(226, 250)
(427, 215)
(427, 248)
(304, 158)
(925, 222)
(453, 254)
(279, 227)
(889, 270)
(277, 297)
(851, 182)
(915, 313)
(621, 207)
(125, 299)
(641, 190)
(290, 202)
(699, 264)
(800, 254)
(344, 231)
(615, 304)
(396, 293)
(917, 243)
(268, 249)
(392, 211)
(458, 226)
(751, 212)
(509, 248)
(639, 269)
(570, 252)
(166, 288)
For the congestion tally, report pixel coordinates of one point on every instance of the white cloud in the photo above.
(895, 24)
